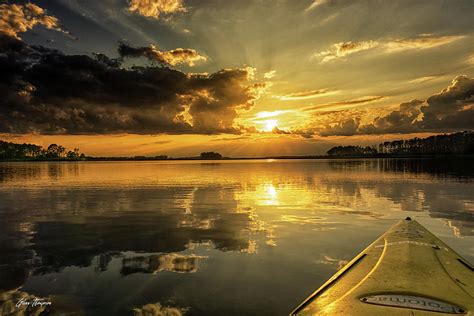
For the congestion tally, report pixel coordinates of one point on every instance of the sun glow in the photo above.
(270, 125)
(266, 114)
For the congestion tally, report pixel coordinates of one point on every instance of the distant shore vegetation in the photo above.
(456, 144)
(461, 143)
(13, 151)
(210, 155)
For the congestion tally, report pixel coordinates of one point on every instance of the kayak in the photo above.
(407, 271)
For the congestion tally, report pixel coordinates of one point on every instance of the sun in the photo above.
(270, 125)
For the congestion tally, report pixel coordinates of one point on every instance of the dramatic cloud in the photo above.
(423, 41)
(45, 91)
(400, 121)
(344, 128)
(306, 95)
(219, 97)
(19, 18)
(455, 103)
(155, 8)
(153, 53)
(450, 110)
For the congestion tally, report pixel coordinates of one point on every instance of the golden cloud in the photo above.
(306, 95)
(343, 49)
(181, 55)
(338, 105)
(422, 79)
(19, 18)
(155, 8)
(171, 57)
(269, 74)
(423, 41)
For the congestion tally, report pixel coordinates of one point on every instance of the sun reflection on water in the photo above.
(272, 195)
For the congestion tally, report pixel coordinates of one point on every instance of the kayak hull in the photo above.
(407, 271)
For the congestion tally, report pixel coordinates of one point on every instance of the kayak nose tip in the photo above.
(408, 218)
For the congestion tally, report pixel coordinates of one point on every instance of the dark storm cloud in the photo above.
(344, 128)
(221, 95)
(450, 110)
(403, 120)
(45, 91)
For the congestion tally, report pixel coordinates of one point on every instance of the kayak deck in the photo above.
(407, 271)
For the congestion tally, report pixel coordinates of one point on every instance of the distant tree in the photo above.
(211, 155)
(55, 151)
(73, 154)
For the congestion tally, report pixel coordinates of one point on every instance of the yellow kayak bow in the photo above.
(407, 271)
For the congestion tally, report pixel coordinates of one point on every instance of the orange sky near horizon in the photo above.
(266, 145)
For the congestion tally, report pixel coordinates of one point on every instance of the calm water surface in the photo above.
(210, 238)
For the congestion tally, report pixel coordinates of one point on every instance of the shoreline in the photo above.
(87, 159)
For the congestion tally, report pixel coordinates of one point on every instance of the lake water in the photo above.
(210, 238)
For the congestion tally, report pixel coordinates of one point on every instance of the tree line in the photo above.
(461, 143)
(13, 151)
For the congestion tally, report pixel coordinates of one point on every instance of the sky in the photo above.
(244, 78)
